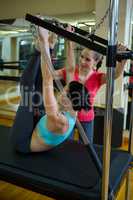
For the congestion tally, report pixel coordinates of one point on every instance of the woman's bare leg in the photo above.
(49, 100)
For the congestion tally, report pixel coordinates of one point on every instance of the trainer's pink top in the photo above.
(93, 83)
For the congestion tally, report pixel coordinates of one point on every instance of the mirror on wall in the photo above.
(25, 48)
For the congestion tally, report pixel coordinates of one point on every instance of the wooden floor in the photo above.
(11, 192)
(121, 194)
(7, 86)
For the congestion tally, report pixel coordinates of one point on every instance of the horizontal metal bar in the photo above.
(10, 67)
(80, 39)
(125, 55)
(92, 37)
(10, 78)
(80, 31)
(13, 62)
(99, 39)
(128, 73)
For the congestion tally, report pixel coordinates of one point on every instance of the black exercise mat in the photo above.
(65, 163)
(65, 172)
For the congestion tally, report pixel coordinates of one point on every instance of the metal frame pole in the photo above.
(130, 150)
(111, 64)
(129, 9)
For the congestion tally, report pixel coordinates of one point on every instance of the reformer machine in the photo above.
(71, 170)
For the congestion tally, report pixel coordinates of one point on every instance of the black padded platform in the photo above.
(63, 173)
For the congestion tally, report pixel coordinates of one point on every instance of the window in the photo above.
(25, 50)
(58, 54)
(0, 49)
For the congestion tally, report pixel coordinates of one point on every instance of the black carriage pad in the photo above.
(64, 172)
(117, 126)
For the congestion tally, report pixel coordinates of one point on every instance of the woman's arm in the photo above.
(120, 68)
(70, 57)
(52, 40)
(70, 60)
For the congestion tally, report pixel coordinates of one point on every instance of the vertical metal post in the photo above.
(130, 150)
(111, 64)
(128, 28)
(128, 185)
(130, 147)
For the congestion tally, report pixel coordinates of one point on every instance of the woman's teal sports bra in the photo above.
(51, 138)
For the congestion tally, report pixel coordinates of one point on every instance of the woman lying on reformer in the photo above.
(58, 122)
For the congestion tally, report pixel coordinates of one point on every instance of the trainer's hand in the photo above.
(70, 28)
(121, 48)
(53, 38)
